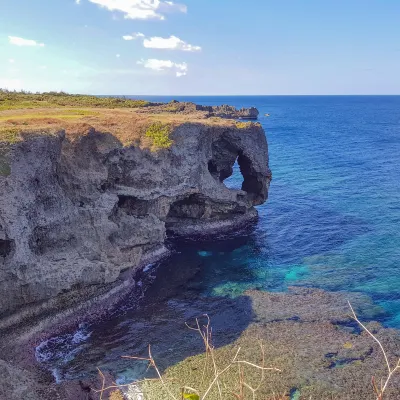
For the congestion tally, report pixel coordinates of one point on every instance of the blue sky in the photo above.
(201, 47)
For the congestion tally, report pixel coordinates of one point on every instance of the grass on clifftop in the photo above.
(21, 100)
(131, 122)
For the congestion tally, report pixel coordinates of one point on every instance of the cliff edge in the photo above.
(83, 199)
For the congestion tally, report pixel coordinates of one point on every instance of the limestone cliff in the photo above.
(76, 212)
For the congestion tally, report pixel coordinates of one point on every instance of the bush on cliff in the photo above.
(160, 134)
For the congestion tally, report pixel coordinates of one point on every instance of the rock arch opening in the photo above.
(231, 166)
(236, 179)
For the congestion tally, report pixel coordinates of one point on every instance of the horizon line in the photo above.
(245, 95)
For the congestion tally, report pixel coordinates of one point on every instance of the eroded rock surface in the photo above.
(224, 111)
(76, 213)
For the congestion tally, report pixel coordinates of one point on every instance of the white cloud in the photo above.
(141, 9)
(11, 61)
(173, 43)
(162, 65)
(78, 1)
(11, 84)
(43, 67)
(133, 36)
(118, 55)
(17, 41)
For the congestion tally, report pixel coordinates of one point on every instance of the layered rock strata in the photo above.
(76, 213)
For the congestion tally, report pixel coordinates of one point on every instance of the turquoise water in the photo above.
(332, 221)
(333, 217)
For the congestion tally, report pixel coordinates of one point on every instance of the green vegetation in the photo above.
(18, 119)
(174, 106)
(5, 168)
(160, 134)
(20, 100)
(9, 135)
(243, 125)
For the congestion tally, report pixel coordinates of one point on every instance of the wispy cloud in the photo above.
(142, 9)
(172, 43)
(162, 65)
(133, 36)
(118, 55)
(17, 41)
(11, 61)
(78, 2)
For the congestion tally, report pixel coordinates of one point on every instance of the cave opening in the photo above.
(193, 206)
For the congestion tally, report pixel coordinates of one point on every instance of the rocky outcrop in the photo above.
(77, 212)
(224, 111)
(227, 111)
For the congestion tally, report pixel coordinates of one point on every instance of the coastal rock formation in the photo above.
(224, 111)
(76, 212)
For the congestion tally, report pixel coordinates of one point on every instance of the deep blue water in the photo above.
(332, 220)
(333, 216)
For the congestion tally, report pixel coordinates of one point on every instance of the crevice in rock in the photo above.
(134, 206)
(45, 239)
(6, 247)
(193, 206)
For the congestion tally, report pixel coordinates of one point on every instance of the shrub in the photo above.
(243, 125)
(17, 100)
(160, 134)
(9, 135)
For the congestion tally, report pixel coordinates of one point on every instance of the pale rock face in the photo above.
(74, 214)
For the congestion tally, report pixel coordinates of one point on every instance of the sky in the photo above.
(201, 47)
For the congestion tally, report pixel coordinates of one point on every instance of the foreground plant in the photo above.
(240, 392)
(381, 388)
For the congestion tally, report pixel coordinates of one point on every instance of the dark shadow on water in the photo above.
(172, 294)
(200, 277)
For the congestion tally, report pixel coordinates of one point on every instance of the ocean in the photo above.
(331, 222)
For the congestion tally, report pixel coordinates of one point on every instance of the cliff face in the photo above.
(75, 213)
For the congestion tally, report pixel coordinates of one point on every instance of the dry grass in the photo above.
(132, 122)
(116, 395)
(214, 375)
(211, 383)
(147, 130)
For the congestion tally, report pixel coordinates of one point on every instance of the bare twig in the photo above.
(391, 370)
(205, 331)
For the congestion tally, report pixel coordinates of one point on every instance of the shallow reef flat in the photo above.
(309, 335)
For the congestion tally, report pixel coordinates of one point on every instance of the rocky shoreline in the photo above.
(308, 333)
